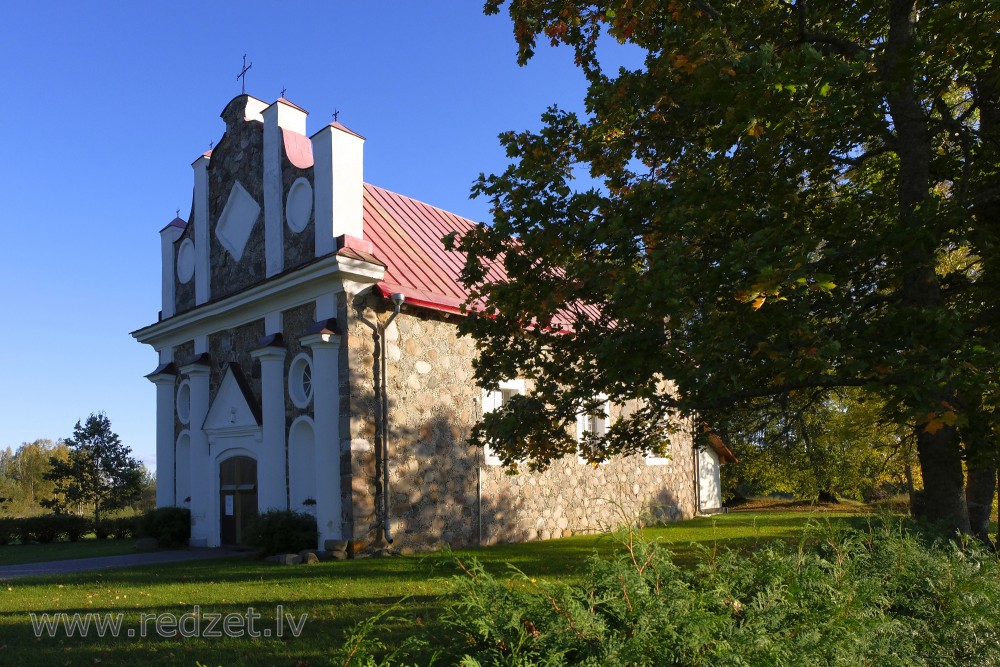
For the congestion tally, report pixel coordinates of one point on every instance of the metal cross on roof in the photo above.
(336, 115)
(243, 74)
(178, 213)
(283, 92)
(211, 145)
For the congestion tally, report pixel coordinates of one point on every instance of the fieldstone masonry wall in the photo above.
(235, 345)
(239, 156)
(435, 474)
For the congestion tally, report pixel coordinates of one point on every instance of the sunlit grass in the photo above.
(334, 595)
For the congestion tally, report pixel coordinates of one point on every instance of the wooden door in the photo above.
(237, 498)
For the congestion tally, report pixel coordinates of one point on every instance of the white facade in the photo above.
(205, 410)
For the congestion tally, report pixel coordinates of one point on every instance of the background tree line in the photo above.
(87, 473)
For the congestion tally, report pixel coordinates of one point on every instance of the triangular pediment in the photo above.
(234, 409)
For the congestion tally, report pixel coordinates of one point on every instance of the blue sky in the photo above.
(106, 106)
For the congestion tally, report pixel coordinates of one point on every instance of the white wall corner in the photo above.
(338, 173)
(200, 222)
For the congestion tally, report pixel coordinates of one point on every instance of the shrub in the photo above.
(124, 527)
(8, 531)
(73, 527)
(882, 595)
(282, 531)
(171, 526)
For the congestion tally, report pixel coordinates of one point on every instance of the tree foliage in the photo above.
(837, 444)
(760, 209)
(99, 473)
(23, 486)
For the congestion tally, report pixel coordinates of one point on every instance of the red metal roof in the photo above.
(406, 234)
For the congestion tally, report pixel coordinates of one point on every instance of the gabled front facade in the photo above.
(290, 377)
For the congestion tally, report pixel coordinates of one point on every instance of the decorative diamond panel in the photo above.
(237, 221)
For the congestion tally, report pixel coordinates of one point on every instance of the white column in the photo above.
(204, 494)
(165, 379)
(271, 466)
(326, 421)
(168, 236)
(338, 173)
(202, 284)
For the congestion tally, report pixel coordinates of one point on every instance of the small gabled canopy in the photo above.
(234, 406)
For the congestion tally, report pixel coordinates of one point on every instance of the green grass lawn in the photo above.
(334, 595)
(15, 554)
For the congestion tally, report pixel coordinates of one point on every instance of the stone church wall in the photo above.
(239, 156)
(234, 345)
(300, 247)
(434, 474)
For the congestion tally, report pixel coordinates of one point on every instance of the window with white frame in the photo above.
(661, 457)
(494, 400)
(596, 422)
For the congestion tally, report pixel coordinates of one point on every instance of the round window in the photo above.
(184, 402)
(300, 386)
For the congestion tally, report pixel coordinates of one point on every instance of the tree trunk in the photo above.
(939, 449)
(943, 499)
(979, 493)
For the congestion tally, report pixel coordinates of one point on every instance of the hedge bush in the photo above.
(44, 528)
(282, 531)
(121, 527)
(884, 595)
(171, 526)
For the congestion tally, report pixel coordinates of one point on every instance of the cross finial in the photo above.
(243, 74)
(178, 213)
(211, 145)
(282, 91)
(336, 115)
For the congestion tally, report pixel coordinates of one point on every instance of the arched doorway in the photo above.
(237, 498)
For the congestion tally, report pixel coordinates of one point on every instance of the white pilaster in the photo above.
(165, 379)
(279, 116)
(338, 173)
(168, 236)
(273, 323)
(271, 465)
(201, 238)
(204, 510)
(326, 306)
(326, 420)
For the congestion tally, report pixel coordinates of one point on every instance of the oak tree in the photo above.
(762, 208)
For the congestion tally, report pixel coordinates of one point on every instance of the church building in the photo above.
(309, 359)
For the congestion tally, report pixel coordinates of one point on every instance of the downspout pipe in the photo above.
(397, 302)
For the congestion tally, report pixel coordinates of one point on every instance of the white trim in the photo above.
(288, 290)
(653, 460)
(296, 375)
(491, 401)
